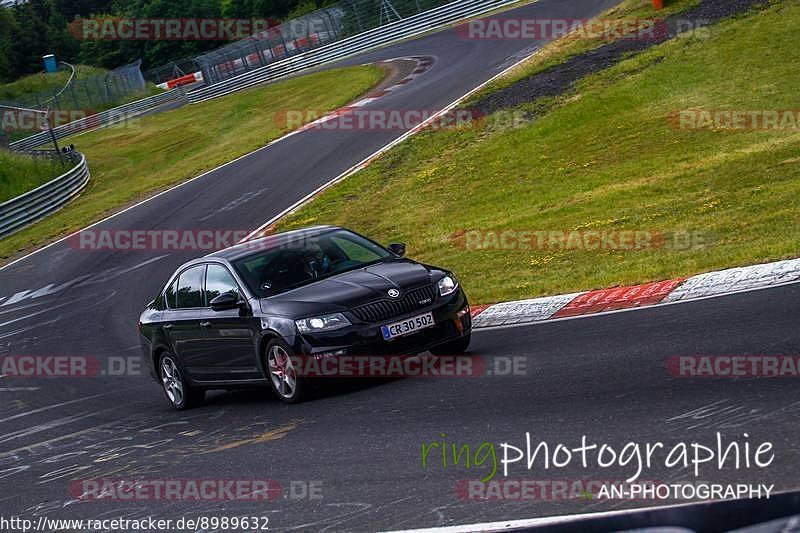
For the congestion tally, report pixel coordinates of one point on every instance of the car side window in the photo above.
(190, 288)
(170, 295)
(219, 281)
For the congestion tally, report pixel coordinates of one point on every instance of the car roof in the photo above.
(270, 241)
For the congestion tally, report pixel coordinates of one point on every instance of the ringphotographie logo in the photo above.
(492, 460)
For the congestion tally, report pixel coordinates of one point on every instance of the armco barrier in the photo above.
(104, 118)
(44, 200)
(401, 29)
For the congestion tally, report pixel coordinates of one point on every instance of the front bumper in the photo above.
(451, 316)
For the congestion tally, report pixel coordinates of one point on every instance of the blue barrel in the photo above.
(50, 63)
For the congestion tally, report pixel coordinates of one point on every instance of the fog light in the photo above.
(324, 355)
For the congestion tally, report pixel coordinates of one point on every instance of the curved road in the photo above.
(601, 376)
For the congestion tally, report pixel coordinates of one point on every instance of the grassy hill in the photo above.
(605, 156)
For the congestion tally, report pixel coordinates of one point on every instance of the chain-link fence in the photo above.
(324, 26)
(96, 92)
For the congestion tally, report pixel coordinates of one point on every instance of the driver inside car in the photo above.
(316, 263)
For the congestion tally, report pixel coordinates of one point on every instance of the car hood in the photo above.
(349, 289)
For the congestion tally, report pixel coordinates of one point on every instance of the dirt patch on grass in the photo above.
(559, 79)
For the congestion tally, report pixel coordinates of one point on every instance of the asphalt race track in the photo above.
(358, 446)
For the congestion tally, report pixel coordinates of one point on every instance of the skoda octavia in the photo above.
(239, 316)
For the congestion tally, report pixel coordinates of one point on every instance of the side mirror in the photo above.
(225, 302)
(398, 249)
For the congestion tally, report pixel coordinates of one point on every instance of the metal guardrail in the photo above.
(374, 38)
(104, 118)
(44, 200)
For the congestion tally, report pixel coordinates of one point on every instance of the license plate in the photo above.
(407, 326)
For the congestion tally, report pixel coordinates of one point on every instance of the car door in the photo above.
(181, 319)
(229, 346)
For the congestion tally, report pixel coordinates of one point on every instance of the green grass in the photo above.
(603, 157)
(19, 174)
(154, 152)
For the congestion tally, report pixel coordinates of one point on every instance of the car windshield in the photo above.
(306, 259)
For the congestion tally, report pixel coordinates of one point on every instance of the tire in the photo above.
(176, 387)
(281, 374)
(456, 347)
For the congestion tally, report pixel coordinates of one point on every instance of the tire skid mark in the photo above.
(57, 405)
(724, 414)
(55, 289)
(269, 435)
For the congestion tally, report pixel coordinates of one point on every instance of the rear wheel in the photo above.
(456, 347)
(176, 387)
(287, 385)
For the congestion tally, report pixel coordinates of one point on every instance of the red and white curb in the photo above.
(706, 285)
(424, 63)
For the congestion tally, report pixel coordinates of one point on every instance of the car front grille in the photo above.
(385, 309)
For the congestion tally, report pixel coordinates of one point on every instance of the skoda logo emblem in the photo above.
(394, 293)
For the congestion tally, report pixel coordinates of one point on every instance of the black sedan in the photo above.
(240, 316)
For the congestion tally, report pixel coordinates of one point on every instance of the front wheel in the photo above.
(179, 393)
(287, 385)
(456, 347)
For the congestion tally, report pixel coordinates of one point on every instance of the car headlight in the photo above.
(447, 285)
(322, 323)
